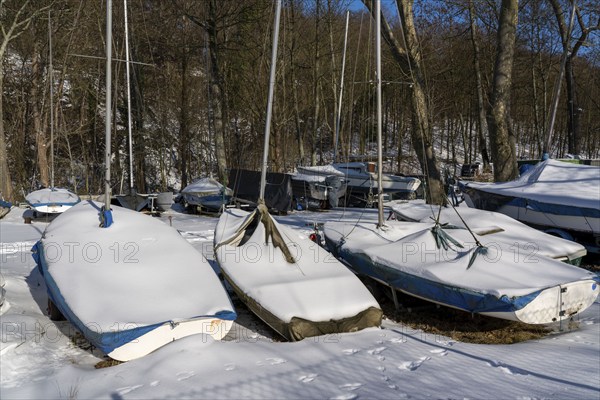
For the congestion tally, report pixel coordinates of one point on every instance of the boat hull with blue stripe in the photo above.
(52, 200)
(498, 281)
(132, 287)
(558, 197)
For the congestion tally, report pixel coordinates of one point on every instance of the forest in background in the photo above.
(199, 81)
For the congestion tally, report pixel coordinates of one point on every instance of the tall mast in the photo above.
(51, 79)
(128, 99)
(557, 85)
(108, 117)
(339, 112)
(380, 222)
(263, 178)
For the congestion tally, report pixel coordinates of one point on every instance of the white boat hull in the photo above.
(315, 294)
(498, 281)
(130, 287)
(366, 181)
(217, 329)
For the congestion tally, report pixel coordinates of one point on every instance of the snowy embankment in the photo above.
(40, 359)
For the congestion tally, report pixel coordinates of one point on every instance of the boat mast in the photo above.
(557, 86)
(128, 99)
(339, 112)
(108, 117)
(380, 222)
(263, 179)
(51, 79)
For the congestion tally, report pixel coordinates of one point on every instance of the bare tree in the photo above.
(482, 128)
(573, 108)
(410, 60)
(18, 20)
(501, 136)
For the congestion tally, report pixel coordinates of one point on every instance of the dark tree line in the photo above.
(464, 80)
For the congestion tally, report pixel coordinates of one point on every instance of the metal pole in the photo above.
(51, 79)
(339, 113)
(380, 219)
(263, 179)
(108, 117)
(128, 99)
(557, 86)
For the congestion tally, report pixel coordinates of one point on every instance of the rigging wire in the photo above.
(426, 168)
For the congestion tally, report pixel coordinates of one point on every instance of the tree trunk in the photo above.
(6, 189)
(482, 128)
(501, 136)
(217, 94)
(38, 130)
(299, 135)
(316, 77)
(574, 110)
(422, 132)
(184, 131)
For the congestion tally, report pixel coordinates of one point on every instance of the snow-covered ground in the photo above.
(44, 359)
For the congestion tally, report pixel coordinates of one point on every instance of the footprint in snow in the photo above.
(507, 369)
(351, 386)
(349, 352)
(346, 396)
(128, 389)
(439, 352)
(397, 340)
(413, 365)
(376, 351)
(307, 378)
(229, 367)
(446, 342)
(182, 376)
(381, 368)
(276, 361)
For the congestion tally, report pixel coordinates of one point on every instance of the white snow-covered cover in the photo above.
(135, 273)
(203, 185)
(411, 248)
(393, 362)
(552, 182)
(52, 200)
(316, 287)
(495, 226)
(327, 169)
(310, 177)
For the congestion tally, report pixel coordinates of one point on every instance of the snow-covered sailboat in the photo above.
(289, 281)
(497, 227)
(558, 196)
(51, 200)
(457, 267)
(147, 202)
(206, 194)
(361, 177)
(128, 282)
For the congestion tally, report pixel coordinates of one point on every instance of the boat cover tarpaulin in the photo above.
(552, 182)
(52, 196)
(289, 281)
(204, 186)
(278, 192)
(496, 226)
(114, 297)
